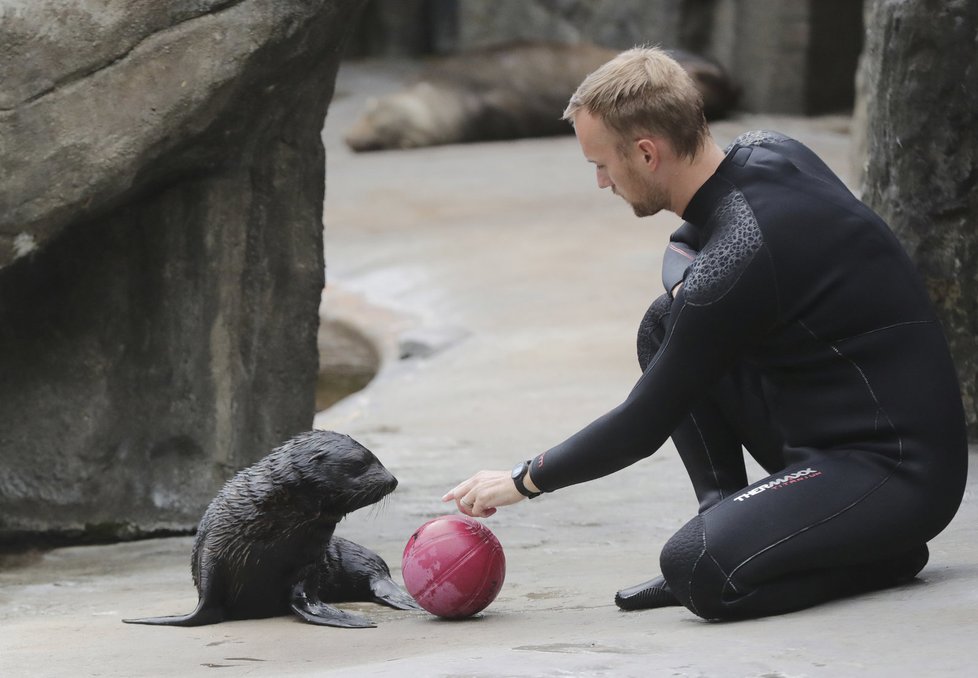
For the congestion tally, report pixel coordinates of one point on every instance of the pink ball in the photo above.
(453, 566)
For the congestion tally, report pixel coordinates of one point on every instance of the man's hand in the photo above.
(480, 495)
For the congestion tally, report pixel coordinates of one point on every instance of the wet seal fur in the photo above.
(265, 545)
(509, 91)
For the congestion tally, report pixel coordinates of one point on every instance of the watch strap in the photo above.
(520, 485)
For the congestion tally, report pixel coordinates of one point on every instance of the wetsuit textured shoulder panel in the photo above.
(756, 138)
(736, 239)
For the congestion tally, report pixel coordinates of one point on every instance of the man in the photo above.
(793, 325)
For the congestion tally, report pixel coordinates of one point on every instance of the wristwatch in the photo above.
(519, 472)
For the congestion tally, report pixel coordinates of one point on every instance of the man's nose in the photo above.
(603, 180)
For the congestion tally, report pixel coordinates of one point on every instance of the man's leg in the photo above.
(710, 442)
(828, 528)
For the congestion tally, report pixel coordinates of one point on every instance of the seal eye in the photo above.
(359, 465)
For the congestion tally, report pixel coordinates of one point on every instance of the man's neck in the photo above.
(692, 175)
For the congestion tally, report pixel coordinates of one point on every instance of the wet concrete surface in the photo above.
(519, 286)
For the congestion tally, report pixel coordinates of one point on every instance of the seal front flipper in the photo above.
(351, 572)
(202, 616)
(386, 592)
(315, 611)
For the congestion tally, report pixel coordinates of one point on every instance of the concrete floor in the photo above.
(525, 286)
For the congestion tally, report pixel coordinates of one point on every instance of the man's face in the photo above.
(628, 174)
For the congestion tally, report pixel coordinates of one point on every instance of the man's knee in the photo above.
(652, 330)
(693, 575)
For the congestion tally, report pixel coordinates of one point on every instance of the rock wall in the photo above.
(920, 100)
(611, 23)
(794, 56)
(161, 260)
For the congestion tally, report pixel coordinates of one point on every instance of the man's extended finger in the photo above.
(457, 492)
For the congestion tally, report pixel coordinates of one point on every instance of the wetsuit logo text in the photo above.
(788, 479)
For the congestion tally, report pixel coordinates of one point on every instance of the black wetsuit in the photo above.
(803, 332)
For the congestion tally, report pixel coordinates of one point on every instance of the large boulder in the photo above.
(161, 263)
(919, 77)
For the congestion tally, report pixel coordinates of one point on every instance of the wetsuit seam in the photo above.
(879, 406)
(692, 571)
(884, 329)
(728, 582)
(709, 457)
(665, 342)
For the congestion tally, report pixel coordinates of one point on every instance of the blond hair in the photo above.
(644, 91)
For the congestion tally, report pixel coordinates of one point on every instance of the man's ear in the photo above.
(650, 152)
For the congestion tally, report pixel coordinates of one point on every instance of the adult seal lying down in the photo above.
(265, 545)
(509, 91)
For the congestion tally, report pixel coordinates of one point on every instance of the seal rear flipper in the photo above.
(386, 592)
(318, 612)
(202, 616)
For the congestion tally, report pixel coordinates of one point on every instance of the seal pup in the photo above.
(509, 91)
(265, 544)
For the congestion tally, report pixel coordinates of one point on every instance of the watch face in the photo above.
(518, 470)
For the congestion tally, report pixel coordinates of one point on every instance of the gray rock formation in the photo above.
(161, 263)
(790, 56)
(920, 74)
(614, 23)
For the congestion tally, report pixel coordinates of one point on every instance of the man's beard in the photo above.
(654, 198)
